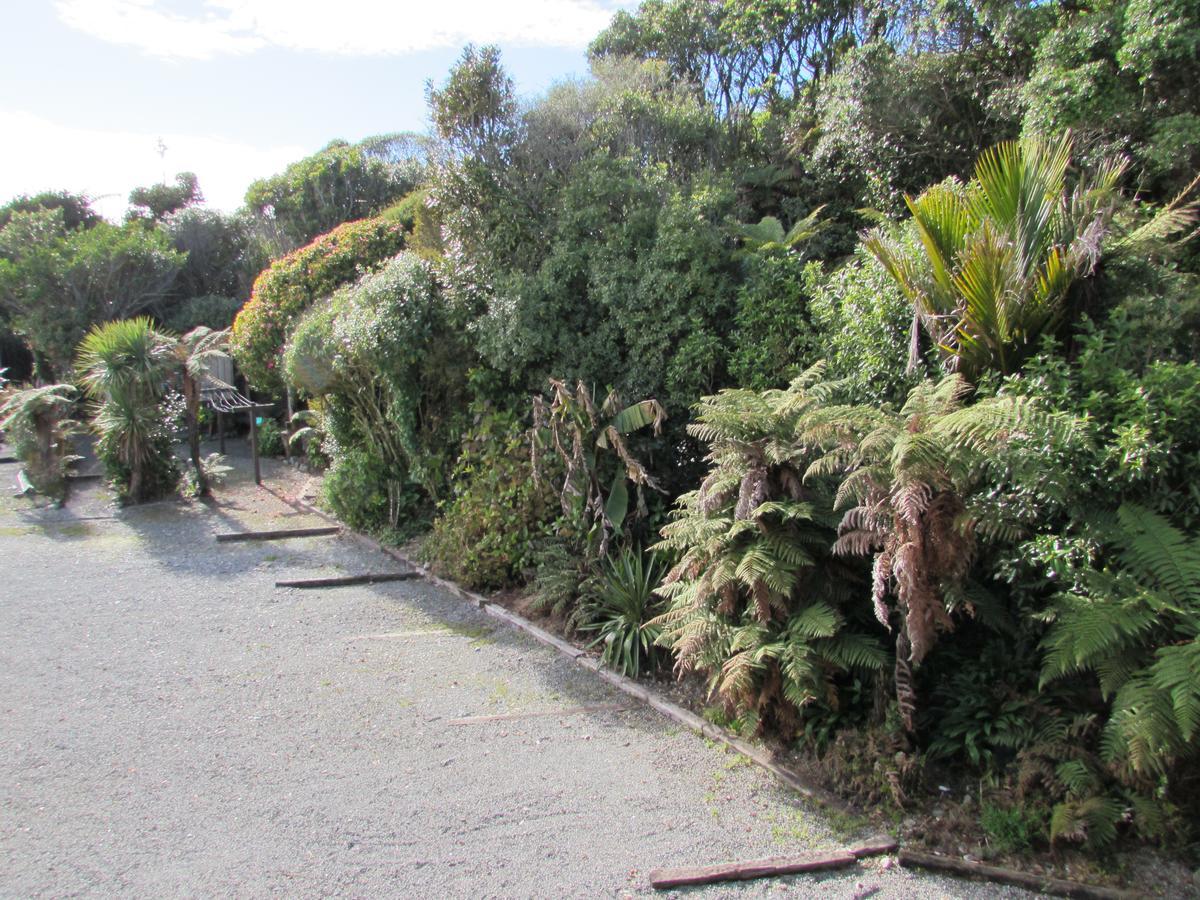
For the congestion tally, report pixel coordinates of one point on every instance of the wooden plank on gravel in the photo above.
(540, 714)
(876, 846)
(1041, 883)
(755, 868)
(347, 580)
(277, 535)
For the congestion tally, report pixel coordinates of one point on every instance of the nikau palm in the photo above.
(1000, 253)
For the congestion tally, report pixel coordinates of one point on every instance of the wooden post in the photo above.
(287, 426)
(221, 430)
(254, 443)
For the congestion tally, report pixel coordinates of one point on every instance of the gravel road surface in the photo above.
(173, 725)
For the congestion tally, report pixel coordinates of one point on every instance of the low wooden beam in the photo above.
(754, 868)
(347, 580)
(876, 846)
(1040, 883)
(279, 535)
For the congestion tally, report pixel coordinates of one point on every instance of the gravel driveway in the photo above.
(173, 725)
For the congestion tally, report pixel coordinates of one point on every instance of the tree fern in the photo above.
(906, 481)
(1136, 625)
(754, 598)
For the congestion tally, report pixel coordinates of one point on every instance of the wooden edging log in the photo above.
(8, 459)
(1042, 883)
(277, 535)
(754, 868)
(347, 580)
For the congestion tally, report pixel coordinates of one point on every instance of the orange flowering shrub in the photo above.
(293, 283)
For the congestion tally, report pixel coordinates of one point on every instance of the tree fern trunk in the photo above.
(906, 694)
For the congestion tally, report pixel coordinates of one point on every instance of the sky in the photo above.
(92, 91)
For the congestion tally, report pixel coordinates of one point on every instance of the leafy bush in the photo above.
(862, 326)
(270, 437)
(340, 183)
(390, 370)
(297, 281)
(485, 533)
(772, 342)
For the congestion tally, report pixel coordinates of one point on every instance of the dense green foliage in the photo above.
(57, 282)
(385, 359)
(964, 541)
(341, 183)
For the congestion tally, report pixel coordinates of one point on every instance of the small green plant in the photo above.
(308, 436)
(1011, 829)
(213, 470)
(270, 438)
(620, 611)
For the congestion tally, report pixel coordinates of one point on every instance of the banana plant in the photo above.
(578, 431)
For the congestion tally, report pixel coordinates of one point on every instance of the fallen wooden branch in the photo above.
(346, 580)
(277, 535)
(1043, 883)
(755, 868)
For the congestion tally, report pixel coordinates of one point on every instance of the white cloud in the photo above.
(349, 27)
(43, 155)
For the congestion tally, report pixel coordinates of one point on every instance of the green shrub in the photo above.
(122, 366)
(1012, 829)
(270, 437)
(389, 367)
(773, 340)
(356, 489)
(485, 532)
(294, 283)
(862, 326)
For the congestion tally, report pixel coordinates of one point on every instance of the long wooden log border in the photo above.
(877, 845)
(1042, 883)
(278, 535)
(347, 580)
(754, 868)
(4, 460)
